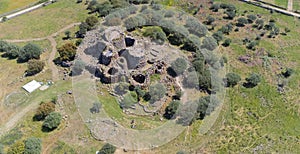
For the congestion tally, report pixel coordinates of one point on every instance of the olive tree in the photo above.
(156, 92)
(52, 121)
(34, 66)
(232, 79)
(107, 149)
(32, 146)
(29, 51)
(253, 80)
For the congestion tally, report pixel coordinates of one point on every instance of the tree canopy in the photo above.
(52, 121)
(29, 51)
(67, 51)
(34, 66)
(32, 146)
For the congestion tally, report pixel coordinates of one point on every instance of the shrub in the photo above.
(169, 13)
(171, 109)
(34, 66)
(288, 72)
(242, 21)
(17, 148)
(226, 29)
(12, 51)
(218, 36)
(44, 110)
(167, 26)
(129, 99)
(67, 51)
(210, 20)
(103, 9)
(191, 80)
(252, 45)
(4, 46)
(227, 42)
(134, 22)
(29, 51)
(122, 88)
(179, 66)
(179, 35)
(107, 149)
(209, 43)
(230, 14)
(96, 107)
(251, 18)
(114, 21)
(157, 91)
(91, 21)
(152, 17)
(192, 43)
(259, 23)
(232, 79)
(52, 121)
(215, 7)
(83, 27)
(139, 1)
(253, 80)
(195, 27)
(155, 33)
(205, 79)
(33, 146)
(203, 103)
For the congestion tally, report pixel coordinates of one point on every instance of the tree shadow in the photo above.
(248, 85)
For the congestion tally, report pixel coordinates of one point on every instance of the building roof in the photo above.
(31, 86)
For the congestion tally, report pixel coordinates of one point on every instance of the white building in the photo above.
(31, 86)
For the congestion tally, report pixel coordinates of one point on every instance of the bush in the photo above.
(288, 72)
(232, 79)
(209, 43)
(113, 21)
(259, 23)
(152, 17)
(96, 107)
(215, 7)
(218, 36)
(252, 45)
(107, 149)
(83, 27)
(17, 148)
(91, 21)
(191, 80)
(103, 9)
(227, 42)
(169, 13)
(34, 66)
(242, 21)
(4, 46)
(129, 99)
(155, 33)
(44, 110)
(195, 27)
(226, 29)
(52, 121)
(29, 51)
(139, 1)
(33, 146)
(210, 20)
(134, 22)
(12, 51)
(230, 14)
(67, 51)
(192, 43)
(171, 109)
(251, 18)
(179, 66)
(157, 92)
(253, 80)
(179, 35)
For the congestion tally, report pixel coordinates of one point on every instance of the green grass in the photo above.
(9, 5)
(44, 21)
(296, 5)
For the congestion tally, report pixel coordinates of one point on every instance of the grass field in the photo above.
(44, 21)
(296, 5)
(9, 5)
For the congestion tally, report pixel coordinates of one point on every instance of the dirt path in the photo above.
(290, 5)
(53, 44)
